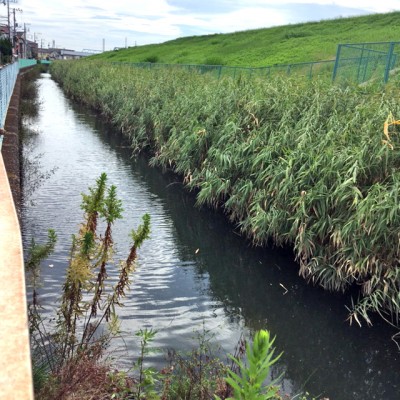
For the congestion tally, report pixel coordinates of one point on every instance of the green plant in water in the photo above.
(248, 384)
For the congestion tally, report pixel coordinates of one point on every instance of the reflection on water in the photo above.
(195, 269)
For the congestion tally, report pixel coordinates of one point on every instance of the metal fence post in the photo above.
(394, 60)
(360, 62)
(388, 62)
(366, 66)
(335, 68)
(310, 73)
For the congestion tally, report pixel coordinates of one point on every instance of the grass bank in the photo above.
(312, 41)
(302, 164)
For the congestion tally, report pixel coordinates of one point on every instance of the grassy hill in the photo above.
(312, 41)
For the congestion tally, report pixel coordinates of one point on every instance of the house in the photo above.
(61, 54)
(4, 32)
(32, 49)
(74, 55)
(22, 47)
(48, 54)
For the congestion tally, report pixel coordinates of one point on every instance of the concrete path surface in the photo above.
(15, 362)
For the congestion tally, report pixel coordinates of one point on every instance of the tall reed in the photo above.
(302, 164)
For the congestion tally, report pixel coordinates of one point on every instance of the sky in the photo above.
(91, 24)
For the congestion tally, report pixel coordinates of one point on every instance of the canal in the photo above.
(195, 272)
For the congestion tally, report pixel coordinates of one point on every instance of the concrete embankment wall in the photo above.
(15, 361)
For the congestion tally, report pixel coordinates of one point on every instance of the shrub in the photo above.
(152, 59)
(215, 60)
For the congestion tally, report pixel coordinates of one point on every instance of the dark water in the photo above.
(196, 273)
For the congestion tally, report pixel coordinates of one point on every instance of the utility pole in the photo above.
(25, 42)
(12, 33)
(8, 16)
(14, 30)
(36, 34)
(8, 20)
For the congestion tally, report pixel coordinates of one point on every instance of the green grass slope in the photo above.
(313, 41)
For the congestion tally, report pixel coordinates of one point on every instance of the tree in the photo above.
(5, 50)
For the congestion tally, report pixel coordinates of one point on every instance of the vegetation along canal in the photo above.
(195, 273)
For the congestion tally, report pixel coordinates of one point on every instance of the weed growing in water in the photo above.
(88, 299)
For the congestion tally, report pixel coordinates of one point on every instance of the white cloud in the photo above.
(368, 5)
(77, 24)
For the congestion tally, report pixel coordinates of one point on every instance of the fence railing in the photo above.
(303, 70)
(361, 62)
(24, 62)
(354, 62)
(8, 76)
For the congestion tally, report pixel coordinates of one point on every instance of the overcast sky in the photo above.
(83, 24)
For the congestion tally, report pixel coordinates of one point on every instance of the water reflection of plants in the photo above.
(30, 103)
(32, 171)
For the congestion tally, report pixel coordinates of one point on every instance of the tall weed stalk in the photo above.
(89, 298)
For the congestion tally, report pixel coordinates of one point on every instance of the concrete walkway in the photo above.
(15, 362)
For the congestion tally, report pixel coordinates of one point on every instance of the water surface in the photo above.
(196, 272)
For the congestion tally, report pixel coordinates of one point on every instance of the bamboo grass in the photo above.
(310, 165)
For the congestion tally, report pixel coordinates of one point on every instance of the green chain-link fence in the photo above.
(306, 70)
(356, 62)
(361, 62)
